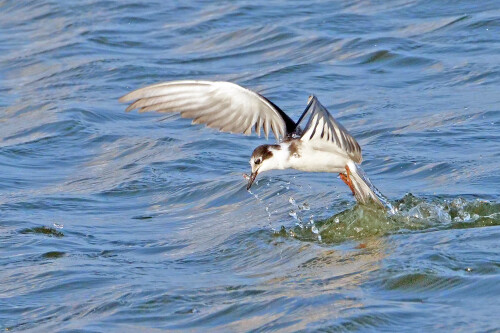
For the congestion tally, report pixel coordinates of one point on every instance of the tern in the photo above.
(315, 143)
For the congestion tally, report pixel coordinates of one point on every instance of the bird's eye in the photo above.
(257, 161)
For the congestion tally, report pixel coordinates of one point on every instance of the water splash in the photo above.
(410, 214)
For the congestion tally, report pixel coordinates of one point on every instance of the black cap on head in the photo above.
(259, 155)
(264, 151)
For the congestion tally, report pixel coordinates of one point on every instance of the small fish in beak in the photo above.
(251, 179)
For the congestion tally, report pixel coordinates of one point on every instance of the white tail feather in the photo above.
(364, 191)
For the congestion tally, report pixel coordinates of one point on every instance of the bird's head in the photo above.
(264, 158)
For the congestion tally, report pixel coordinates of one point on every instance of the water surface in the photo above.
(126, 222)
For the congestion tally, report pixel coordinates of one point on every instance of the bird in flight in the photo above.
(315, 143)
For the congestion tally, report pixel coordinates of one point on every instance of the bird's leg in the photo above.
(347, 179)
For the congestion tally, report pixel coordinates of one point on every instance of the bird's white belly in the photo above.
(312, 160)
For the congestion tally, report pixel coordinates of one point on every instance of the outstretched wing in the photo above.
(222, 105)
(324, 132)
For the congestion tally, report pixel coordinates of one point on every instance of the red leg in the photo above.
(347, 178)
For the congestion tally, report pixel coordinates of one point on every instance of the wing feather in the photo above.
(323, 130)
(161, 99)
(258, 125)
(222, 105)
(266, 127)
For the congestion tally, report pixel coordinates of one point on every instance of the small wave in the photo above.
(430, 26)
(51, 232)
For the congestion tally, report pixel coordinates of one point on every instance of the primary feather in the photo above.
(222, 105)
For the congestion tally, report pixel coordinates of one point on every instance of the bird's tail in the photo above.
(364, 191)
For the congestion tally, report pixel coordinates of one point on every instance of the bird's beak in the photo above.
(251, 179)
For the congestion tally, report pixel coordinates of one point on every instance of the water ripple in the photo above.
(114, 221)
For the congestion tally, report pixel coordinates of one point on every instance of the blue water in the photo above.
(126, 222)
